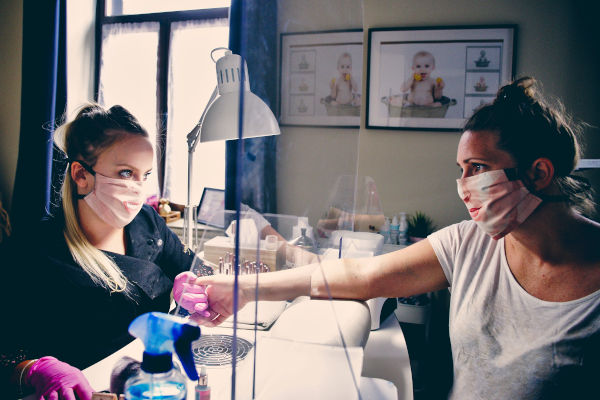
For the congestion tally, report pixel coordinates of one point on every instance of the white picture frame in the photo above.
(310, 67)
(470, 64)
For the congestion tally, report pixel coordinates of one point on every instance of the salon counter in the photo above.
(385, 373)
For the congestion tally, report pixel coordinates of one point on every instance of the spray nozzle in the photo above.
(163, 334)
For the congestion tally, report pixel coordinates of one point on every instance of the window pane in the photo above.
(127, 7)
(192, 78)
(128, 66)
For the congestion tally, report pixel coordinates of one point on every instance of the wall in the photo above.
(11, 28)
(413, 170)
(311, 159)
(417, 170)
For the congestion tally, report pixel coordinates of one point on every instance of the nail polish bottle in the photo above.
(202, 389)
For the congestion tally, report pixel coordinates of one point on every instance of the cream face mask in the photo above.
(115, 201)
(497, 201)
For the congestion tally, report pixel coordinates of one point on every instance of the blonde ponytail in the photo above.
(102, 269)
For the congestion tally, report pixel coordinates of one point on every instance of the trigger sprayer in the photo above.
(162, 334)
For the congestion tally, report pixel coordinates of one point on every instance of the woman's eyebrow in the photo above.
(468, 160)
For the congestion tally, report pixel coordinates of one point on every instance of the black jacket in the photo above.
(54, 308)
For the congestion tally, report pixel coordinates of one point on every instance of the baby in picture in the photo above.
(344, 88)
(423, 89)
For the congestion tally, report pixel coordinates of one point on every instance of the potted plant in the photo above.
(419, 226)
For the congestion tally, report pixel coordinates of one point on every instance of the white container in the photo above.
(358, 241)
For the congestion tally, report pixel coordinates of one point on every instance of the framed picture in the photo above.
(211, 207)
(435, 77)
(321, 78)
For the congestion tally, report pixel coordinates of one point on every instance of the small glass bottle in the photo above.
(202, 389)
(394, 230)
(403, 230)
(385, 231)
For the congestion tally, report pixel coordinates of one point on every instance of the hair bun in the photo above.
(518, 92)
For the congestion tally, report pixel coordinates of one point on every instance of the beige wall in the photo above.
(413, 170)
(417, 170)
(11, 28)
(311, 159)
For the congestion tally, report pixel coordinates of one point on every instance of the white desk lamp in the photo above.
(220, 121)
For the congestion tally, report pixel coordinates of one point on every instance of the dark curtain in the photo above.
(253, 35)
(43, 100)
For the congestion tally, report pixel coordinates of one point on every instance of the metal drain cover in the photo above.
(216, 350)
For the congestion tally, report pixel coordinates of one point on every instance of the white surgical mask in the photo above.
(497, 203)
(115, 201)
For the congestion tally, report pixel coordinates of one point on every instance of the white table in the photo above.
(386, 372)
(204, 232)
(386, 357)
(372, 387)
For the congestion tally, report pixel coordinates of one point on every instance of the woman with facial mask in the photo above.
(524, 273)
(73, 285)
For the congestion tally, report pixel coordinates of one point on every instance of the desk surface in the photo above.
(385, 374)
(178, 223)
(370, 387)
(386, 357)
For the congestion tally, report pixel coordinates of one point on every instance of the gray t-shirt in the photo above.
(506, 343)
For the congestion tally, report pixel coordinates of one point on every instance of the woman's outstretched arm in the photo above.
(412, 270)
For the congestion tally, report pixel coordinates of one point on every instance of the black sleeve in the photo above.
(15, 346)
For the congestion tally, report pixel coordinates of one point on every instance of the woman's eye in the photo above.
(126, 173)
(147, 174)
(478, 167)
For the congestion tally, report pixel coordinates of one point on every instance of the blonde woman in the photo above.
(73, 285)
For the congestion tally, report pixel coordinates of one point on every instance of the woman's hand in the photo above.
(219, 289)
(54, 379)
(190, 296)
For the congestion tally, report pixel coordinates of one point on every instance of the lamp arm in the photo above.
(192, 140)
(194, 135)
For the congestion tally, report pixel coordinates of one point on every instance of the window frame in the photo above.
(165, 19)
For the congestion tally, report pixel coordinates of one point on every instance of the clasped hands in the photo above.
(209, 299)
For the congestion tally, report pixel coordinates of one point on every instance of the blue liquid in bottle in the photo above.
(166, 386)
(162, 334)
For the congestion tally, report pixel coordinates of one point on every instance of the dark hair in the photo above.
(95, 128)
(529, 128)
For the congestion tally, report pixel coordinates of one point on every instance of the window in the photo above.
(155, 61)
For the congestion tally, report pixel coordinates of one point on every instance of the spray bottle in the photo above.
(162, 334)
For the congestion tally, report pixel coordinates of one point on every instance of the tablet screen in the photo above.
(211, 207)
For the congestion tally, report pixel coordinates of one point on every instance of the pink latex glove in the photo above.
(190, 296)
(54, 380)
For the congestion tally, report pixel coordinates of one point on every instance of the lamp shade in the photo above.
(221, 121)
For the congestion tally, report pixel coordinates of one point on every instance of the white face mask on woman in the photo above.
(115, 201)
(497, 201)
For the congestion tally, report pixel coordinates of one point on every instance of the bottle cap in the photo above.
(163, 334)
